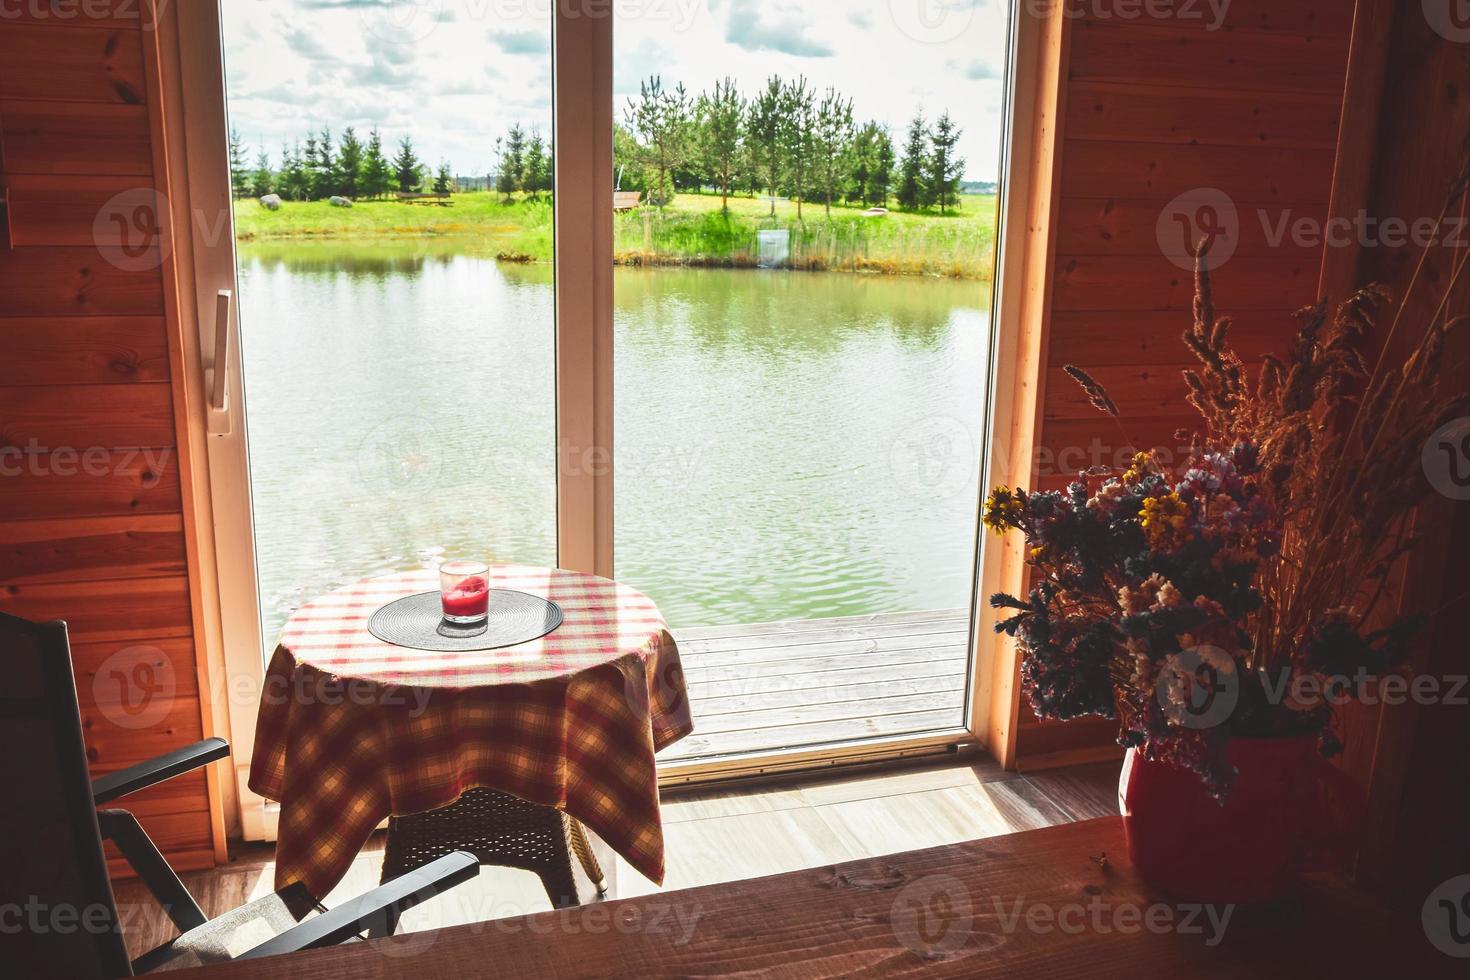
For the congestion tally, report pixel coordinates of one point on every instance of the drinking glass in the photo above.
(464, 591)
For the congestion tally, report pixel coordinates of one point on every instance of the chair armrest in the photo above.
(389, 899)
(108, 788)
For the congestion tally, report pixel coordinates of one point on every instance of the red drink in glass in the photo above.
(464, 591)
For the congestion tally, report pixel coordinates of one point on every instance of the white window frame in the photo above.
(196, 133)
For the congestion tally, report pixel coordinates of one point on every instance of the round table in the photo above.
(352, 730)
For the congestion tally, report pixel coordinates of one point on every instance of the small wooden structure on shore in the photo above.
(626, 200)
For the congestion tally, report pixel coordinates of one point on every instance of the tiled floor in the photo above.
(726, 834)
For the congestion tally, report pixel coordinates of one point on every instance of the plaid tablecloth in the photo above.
(352, 729)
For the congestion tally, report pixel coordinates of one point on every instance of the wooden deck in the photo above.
(769, 686)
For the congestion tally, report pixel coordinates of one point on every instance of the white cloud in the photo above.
(460, 78)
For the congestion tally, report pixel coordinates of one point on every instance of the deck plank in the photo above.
(834, 712)
(795, 641)
(768, 686)
(951, 654)
(806, 625)
(730, 699)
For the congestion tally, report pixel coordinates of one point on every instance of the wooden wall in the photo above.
(1415, 758)
(1154, 109)
(91, 524)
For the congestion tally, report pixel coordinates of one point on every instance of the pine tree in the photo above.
(513, 163)
(798, 133)
(626, 170)
(862, 160)
(533, 165)
(945, 169)
(239, 174)
(720, 117)
(763, 130)
(293, 184)
(349, 182)
(324, 176)
(262, 181)
(444, 179)
(377, 175)
(406, 167)
(660, 122)
(882, 178)
(831, 141)
(912, 190)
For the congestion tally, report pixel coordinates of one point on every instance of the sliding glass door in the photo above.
(804, 252)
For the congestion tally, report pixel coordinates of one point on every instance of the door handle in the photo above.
(217, 374)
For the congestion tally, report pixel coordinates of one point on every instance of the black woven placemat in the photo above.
(418, 622)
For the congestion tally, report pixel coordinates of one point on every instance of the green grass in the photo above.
(691, 230)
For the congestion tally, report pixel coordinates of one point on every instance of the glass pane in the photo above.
(805, 245)
(396, 297)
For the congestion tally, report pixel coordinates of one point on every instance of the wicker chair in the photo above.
(504, 830)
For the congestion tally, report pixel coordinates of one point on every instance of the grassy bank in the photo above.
(691, 231)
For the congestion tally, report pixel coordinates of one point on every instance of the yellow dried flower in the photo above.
(1165, 521)
(1143, 465)
(1002, 509)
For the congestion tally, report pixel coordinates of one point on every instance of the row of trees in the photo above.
(321, 168)
(787, 139)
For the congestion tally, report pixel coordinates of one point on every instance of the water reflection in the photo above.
(789, 444)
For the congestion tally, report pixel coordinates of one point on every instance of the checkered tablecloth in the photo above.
(352, 729)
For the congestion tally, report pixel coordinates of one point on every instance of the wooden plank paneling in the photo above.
(133, 481)
(77, 281)
(1114, 226)
(142, 610)
(1238, 17)
(45, 62)
(1334, 20)
(88, 549)
(47, 209)
(1160, 114)
(92, 14)
(1141, 391)
(185, 837)
(1185, 55)
(1152, 282)
(91, 528)
(146, 727)
(83, 350)
(171, 657)
(1070, 445)
(76, 138)
(1107, 168)
(1098, 339)
(79, 418)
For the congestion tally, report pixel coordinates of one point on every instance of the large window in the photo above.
(397, 352)
(706, 307)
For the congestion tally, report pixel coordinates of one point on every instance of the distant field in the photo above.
(690, 230)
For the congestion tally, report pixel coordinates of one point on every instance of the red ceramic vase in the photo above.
(1243, 851)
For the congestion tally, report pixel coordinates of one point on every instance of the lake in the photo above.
(789, 444)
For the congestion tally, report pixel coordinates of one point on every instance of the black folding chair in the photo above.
(58, 917)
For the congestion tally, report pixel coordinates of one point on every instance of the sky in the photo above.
(456, 74)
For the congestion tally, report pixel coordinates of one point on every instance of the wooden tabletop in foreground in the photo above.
(1043, 903)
